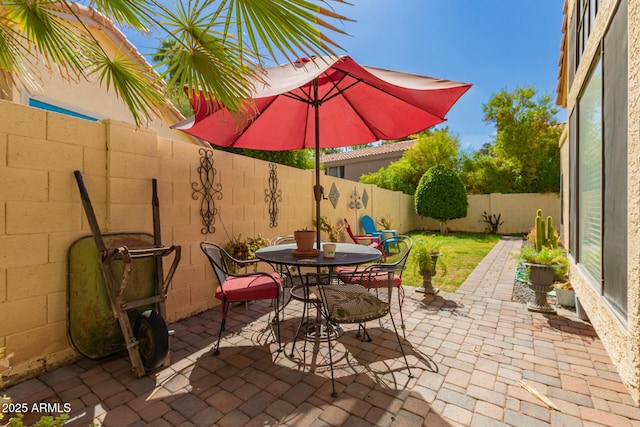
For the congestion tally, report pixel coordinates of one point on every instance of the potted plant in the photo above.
(544, 267)
(244, 249)
(544, 260)
(425, 254)
(385, 222)
(565, 294)
(305, 239)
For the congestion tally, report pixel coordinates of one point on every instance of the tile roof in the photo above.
(367, 152)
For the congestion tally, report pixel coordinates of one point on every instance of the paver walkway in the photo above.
(473, 354)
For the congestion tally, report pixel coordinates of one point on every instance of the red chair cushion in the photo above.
(367, 278)
(249, 288)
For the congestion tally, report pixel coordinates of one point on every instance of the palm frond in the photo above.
(290, 27)
(135, 14)
(205, 59)
(131, 82)
(210, 57)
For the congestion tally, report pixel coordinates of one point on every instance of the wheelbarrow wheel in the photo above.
(153, 339)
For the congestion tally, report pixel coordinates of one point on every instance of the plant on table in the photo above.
(305, 239)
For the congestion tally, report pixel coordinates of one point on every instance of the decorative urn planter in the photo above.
(427, 274)
(541, 278)
(305, 239)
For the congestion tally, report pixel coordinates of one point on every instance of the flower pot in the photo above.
(541, 281)
(565, 297)
(427, 274)
(540, 274)
(305, 239)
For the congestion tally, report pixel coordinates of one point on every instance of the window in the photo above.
(589, 240)
(50, 107)
(337, 171)
(586, 11)
(598, 165)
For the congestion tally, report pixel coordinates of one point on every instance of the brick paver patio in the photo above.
(473, 354)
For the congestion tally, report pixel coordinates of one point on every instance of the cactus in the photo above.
(540, 231)
(545, 233)
(552, 239)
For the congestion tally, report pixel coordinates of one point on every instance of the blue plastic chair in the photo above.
(369, 227)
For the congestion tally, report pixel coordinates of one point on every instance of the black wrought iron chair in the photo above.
(235, 287)
(359, 303)
(395, 262)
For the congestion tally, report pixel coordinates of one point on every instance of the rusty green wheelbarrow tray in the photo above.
(117, 290)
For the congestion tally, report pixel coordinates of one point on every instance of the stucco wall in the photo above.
(621, 337)
(41, 215)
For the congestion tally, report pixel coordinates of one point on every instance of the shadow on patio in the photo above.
(475, 358)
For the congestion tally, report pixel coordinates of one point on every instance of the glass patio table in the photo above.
(346, 254)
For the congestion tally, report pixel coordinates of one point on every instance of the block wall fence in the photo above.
(41, 216)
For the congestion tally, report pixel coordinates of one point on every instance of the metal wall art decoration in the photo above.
(208, 189)
(355, 202)
(334, 195)
(273, 195)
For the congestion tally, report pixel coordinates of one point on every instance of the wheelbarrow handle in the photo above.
(172, 270)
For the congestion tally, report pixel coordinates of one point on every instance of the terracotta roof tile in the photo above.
(369, 151)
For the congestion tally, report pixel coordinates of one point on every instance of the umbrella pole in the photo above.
(317, 188)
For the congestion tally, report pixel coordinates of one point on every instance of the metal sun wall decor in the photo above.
(273, 195)
(208, 189)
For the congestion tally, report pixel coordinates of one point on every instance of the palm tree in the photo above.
(216, 44)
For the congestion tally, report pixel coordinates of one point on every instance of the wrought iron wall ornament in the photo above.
(208, 189)
(334, 195)
(273, 195)
(355, 199)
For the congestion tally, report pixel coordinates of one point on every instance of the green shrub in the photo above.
(441, 195)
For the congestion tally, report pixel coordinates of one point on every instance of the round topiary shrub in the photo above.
(441, 195)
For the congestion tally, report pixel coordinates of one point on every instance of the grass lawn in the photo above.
(461, 253)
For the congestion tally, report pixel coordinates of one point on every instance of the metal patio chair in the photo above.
(359, 303)
(368, 277)
(241, 287)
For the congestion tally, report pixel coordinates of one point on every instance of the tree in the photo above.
(431, 148)
(441, 195)
(216, 44)
(525, 157)
(301, 159)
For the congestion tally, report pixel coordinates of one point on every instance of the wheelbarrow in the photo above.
(117, 292)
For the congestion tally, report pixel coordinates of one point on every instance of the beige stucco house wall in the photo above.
(615, 317)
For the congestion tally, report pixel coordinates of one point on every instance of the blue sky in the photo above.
(492, 44)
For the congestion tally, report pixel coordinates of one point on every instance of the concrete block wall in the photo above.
(41, 216)
(517, 211)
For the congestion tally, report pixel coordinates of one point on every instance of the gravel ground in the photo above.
(521, 292)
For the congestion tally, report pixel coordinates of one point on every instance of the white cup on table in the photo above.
(329, 250)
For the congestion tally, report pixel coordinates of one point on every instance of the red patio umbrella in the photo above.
(356, 104)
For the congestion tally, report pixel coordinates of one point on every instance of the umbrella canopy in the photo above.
(324, 102)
